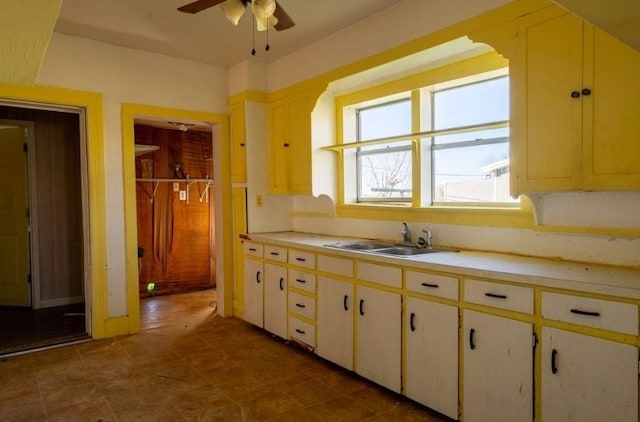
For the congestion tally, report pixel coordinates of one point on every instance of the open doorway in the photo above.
(175, 207)
(42, 262)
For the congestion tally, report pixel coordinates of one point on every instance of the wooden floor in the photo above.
(188, 364)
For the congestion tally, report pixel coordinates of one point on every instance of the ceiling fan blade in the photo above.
(199, 6)
(284, 20)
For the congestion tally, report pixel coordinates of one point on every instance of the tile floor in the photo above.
(189, 364)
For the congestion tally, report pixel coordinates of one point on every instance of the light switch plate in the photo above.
(183, 195)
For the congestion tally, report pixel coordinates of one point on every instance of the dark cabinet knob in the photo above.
(586, 91)
(575, 94)
(286, 145)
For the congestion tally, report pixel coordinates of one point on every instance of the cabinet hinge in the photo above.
(29, 278)
(25, 147)
(28, 213)
(535, 340)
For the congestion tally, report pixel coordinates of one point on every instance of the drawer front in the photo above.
(505, 296)
(597, 313)
(302, 331)
(253, 249)
(389, 276)
(334, 265)
(302, 305)
(302, 259)
(275, 253)
(302, 280)
(432, 284)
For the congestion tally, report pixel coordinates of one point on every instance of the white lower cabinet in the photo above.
(275, 299)
(431, 355)
(253, 292)
(586, 378)
(378, 338)
(498, 368)
(335, 321)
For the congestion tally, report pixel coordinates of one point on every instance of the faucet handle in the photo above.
(429, 236)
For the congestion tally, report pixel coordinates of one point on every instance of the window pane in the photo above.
(482, 102)
(385, 120)
(385, 176)
(471, 136)
(472, 174)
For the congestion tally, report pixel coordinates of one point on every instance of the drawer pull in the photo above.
(433, 286)
(300, 331)
(258, 277)
(495, 296)
(299, 280)
(274, 253)
(412, 325)
(253, 249)
(281, 283)
(301, 259)
(554, 363)
(587, 313)
(472, 338)
(361, 307)
(344, 303)
(301, 305)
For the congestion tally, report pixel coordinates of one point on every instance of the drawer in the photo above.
(253, 249)
(432, 284)
(302, 331)
(302, 280)
(334, 265)
(302, 259)
(275, 253)
(497, 295)
(381, 274)
(596, 313)
(302, 305)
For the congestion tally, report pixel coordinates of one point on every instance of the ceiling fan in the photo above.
(266, 12)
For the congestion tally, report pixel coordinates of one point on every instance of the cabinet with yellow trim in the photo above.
(275, 290)
(302, 297)
(290, 145)
(238, 143)
(253, 284)
(575, 119)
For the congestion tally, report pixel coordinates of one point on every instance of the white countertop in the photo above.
(579, 276)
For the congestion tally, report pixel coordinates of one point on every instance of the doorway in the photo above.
(42, 263)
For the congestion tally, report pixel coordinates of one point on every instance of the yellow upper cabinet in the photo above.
(574, 123)
(290, 145)
(238, 144)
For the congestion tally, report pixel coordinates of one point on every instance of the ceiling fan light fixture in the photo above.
(233, 10)
(264, 24)
(263, 9)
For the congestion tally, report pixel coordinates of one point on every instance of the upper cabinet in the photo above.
(575, 115)
(290, 145)
(238, 143)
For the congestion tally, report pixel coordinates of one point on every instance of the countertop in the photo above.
(578, 276)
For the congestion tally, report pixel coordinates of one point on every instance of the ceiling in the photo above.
(207, 37)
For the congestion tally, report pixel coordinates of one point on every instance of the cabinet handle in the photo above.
(433, 286)
(344, 303)
(286, 145)
(253, 249)
(274, 253)
(301, 259)
(554, 363)
(281, 283)
(412, 324)
(495, 296)
(258, 277)
(242, 144)
(299, 280)
(362, 307)
(586, 91)
(575, 94)
(301, 305)
(587, 313)
(472, 338)
(300, 331)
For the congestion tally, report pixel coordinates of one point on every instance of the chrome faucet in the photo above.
(425, 243)
(406, 233)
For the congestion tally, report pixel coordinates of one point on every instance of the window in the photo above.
(456, 154)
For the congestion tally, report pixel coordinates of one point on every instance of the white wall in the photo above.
(125, 75)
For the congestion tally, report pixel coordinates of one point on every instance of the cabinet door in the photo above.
(498, 368)
(335, 321)
(547, 120)
(279, 147)
(253, 292)
(612, 114)
(378, 336)
(587, 379)
(300, 154)
(238, 144)
(275, 299)
(431, 369)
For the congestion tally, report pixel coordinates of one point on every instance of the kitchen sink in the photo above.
(405, 251)
(361, 246)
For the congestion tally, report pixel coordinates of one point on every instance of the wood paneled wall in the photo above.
(177, 237)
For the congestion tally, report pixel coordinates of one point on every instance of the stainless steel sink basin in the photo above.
(361, 246)
(405, 251)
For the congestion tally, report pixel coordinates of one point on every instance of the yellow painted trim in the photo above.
(117, 326)
(311, 214)
(128, 114)
(253, 96)
(301, 318)
(93, 105)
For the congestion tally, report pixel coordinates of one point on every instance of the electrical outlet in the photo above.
(176, 186)
(183, 195)
(259, 200)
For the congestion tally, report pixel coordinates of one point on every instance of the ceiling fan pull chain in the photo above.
(253, 37)
(267, 47)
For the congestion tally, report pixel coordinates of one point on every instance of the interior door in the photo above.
(15, 289)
